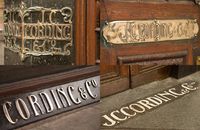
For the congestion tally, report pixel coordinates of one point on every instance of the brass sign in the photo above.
(141, 31)
(49, 33)
(21, 109)
(198, 60)
(134, 109)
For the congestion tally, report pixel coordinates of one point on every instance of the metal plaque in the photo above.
(21, 109)
(141, 31)
(198, 60)
(38, 30)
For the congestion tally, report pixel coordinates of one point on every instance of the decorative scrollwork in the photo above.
(141, 31)
(197, 2)
(48, 33)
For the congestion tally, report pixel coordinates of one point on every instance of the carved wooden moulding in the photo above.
(39, 29)
(142, 31)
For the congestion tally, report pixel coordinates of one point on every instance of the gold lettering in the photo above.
(113, 114)
(172, 90)
(40, 30)
(48, 31)
(33, 31)
(59, 32)
(126, 113)
(165, 94)
(49, 35)
(111, 121)
(138, 31)
(180, 30)
(147, 104)
(132, 107)
(52, 16)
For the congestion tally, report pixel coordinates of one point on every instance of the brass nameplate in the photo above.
(48, 33)
(25, 108)
(141, 31)
(198, 60)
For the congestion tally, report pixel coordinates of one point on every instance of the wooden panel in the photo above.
(80, 34)
(114, 79)
(16, 73)
(1, 14)
(87, 14)
(141, 75)
(144, 10)
(128, 10)
(24, 79)
(91, 34)
(1, 35)
(111, 55)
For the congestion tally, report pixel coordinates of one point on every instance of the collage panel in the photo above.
(145, 32)
(149, 64)
(150, 98)
(49, 97)
(49, 57)
(40, 32)
(99, 64)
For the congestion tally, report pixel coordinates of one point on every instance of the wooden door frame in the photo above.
(85, 35)
(80, 33)
(36, 82)
(115, 81)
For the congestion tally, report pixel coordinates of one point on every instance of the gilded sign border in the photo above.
(143, 31)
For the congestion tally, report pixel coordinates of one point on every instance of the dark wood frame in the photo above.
(114, 79)
(80, 34)
(42, 82)
(86, 36)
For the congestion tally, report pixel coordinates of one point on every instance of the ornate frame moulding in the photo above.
(49, 33)
(142, 31)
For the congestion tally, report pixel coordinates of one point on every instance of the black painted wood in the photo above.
(13, 58)
(182, 71)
